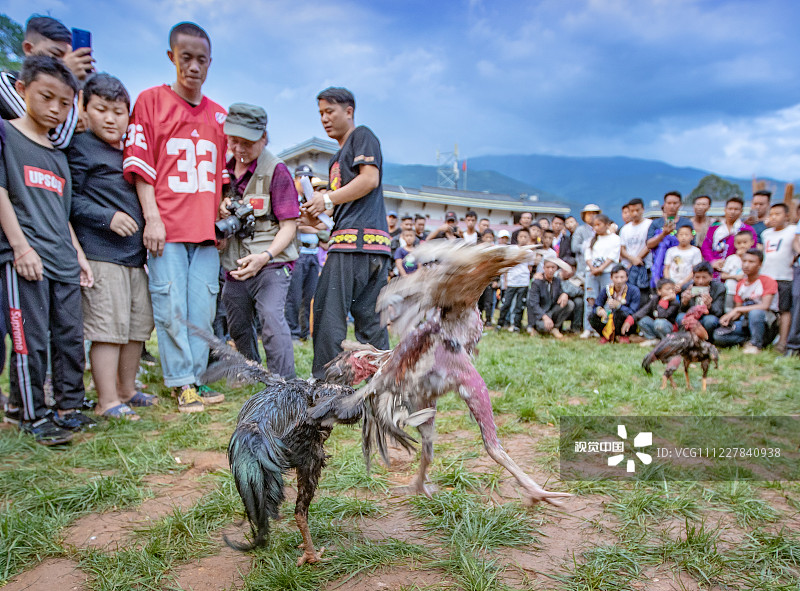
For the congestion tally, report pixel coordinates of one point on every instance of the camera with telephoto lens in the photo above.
(241, 222)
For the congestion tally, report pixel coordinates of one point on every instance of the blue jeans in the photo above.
(594, 284)
(756, 330)
(709, 322)
(654, 328)
(184, 285)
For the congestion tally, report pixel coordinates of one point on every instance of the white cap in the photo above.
(504, 234)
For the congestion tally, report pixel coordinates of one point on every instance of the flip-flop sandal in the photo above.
(143, 399)
(121, 411)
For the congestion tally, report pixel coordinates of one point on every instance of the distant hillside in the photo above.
(416, 175)
(608, 181)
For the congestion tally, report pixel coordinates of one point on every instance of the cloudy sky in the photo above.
(710, 84)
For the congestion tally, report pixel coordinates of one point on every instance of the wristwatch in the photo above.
(327, 201)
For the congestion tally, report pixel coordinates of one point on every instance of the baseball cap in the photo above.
(245, 121)
(450, 216)
(504, 234)
(303, 170)
(391, 213)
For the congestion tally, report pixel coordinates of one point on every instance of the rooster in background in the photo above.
(274, 433)
(434, 312)
(690, 344)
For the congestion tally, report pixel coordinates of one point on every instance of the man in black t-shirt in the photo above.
(359, 255)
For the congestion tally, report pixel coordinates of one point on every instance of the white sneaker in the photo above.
(648, 343)
(750, 349)
(586, 334)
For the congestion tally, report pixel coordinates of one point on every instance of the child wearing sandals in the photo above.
(108, 222)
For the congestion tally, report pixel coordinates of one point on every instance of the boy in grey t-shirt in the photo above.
(43, 265)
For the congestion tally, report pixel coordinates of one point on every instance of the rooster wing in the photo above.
(450, 276)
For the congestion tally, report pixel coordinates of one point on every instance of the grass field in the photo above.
(144, 505)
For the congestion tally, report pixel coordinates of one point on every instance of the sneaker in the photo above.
(12, 416)
(531, 330)
(586, 334)
(209, 396)
(73, 421)
(750, 349)
(625, 340)
(603, 341)
(147, 359)
(188, 399)
(45, 431)
(557, 333)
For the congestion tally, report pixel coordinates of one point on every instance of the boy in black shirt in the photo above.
(43, 264)
(359, 255)
(108, 221)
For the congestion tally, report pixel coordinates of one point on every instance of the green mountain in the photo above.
(574, 181)
(416, 175)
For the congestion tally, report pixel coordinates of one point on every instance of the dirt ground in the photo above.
(562, 533)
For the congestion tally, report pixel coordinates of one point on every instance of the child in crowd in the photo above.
(489, 298)
(778, 259)
(732, 269)
(404, 261)
(707, 291)
(546, 251)
(108, 221)
(600, 256)
(536, 234)
(518, 279)
(680, 260)
(612, 315)
(44, 266)
(656, 318)
(573, 287)
(751, 319)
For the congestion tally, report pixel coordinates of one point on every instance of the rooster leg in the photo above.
(686, 372)
(474, 392)
(427, 432)
(307, 478)
(663, 382)
(704, 383)
(672, 382)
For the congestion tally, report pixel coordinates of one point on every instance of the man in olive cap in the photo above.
(259, 266)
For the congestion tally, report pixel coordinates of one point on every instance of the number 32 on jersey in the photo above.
(200, 176)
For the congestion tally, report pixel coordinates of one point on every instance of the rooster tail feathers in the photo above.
(648, 361)
(230, 364)
(257, 460)
(419, 417)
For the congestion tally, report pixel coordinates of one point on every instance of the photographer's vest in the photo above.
(257, 194)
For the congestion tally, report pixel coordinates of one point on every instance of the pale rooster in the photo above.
(690, 345)
(434, 312)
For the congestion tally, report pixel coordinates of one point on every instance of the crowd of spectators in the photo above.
(174, 216)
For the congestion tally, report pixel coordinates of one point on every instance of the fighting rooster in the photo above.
(690, 344)
(275, 433)
(434, 312)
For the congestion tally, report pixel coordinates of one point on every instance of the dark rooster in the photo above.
(274, 433)
(690, 344)
(435, 313)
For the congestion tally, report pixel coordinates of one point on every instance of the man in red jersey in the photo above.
(175, 156)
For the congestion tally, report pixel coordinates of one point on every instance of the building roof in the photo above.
(310, 146)
(471, 199)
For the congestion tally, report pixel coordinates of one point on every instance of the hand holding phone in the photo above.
(80, 60)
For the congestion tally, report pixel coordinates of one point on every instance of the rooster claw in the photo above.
(535, 496)
(310, 557)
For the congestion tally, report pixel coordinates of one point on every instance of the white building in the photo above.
(432, 202)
